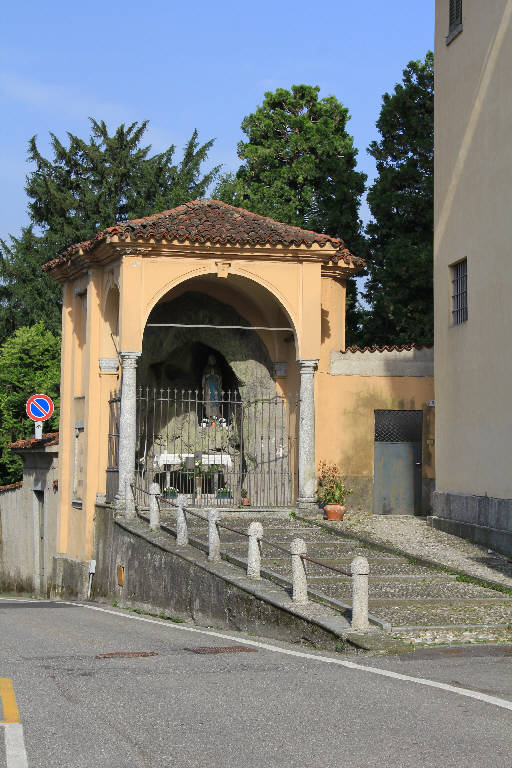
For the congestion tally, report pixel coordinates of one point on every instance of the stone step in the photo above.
(430, 590)
(443, 613)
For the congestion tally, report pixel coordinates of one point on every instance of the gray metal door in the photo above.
(397, 464)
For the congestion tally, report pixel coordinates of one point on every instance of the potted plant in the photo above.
(170, 492)
(224, 493)
(245, 498)
(332, 491)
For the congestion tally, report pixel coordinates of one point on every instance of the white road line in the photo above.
(15, 754)
(468, 693)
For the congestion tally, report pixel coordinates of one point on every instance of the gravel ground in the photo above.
(412, 535)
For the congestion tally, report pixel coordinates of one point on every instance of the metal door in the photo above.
(397, 464)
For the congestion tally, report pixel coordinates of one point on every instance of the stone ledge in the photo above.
(494, 538)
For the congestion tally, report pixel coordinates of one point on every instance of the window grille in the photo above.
(398, 426)
(460, 292)
(455, 15)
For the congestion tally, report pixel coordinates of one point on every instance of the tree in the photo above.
(29, 363)
(27, 295)
(299, 165)
(400, 261)
(85, 187)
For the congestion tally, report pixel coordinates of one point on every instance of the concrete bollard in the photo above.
(360, 570)
(254, 550)
(299, 578)
(181, 523)
(213, 536)
(129, 499)
(154, 507)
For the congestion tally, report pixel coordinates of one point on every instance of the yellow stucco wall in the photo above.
(292, 291)
(473, 168)
(346, 423)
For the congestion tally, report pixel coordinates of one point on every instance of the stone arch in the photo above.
(172, 357)
(246, 277)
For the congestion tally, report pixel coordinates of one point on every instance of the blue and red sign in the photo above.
(39, 407)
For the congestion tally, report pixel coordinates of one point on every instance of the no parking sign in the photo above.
(39, 407)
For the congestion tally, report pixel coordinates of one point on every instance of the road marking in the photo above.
(9, 706)
(467, 692)
(15, 754)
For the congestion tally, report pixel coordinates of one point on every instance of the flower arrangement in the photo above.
(224, 493)
(331, 486)
(170, 492)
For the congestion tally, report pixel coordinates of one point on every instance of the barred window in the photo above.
(460, 292)
(455, 15)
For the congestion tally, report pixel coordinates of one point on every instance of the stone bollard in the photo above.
(360, 570)
(299, 578)
(213, 536)
(181, 523)
(154, 507)
(254, 551)
(129, 499)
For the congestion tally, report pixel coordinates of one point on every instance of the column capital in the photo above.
(307, 366)
(129, 359)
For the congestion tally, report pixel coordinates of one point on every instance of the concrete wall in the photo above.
(473, 169)
(158, 576)
(25, 565)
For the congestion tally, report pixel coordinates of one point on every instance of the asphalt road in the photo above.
(262, 707)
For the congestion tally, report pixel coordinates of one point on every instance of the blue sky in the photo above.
(190, 65)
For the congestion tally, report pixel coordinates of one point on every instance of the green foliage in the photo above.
(331, 486)
(29, 363)
(299, 167)
(400, 260)
(27, 295)
(84, 187)
(88, 186)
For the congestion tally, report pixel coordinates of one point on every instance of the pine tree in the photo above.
(400, 260)
(83, 188)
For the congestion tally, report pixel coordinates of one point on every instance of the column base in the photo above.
(308, 502)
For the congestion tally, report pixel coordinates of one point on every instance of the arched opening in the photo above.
(215, 417)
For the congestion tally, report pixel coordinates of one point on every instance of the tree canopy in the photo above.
(299, 167)
(29, 363)
(84, 187)
(399, 289)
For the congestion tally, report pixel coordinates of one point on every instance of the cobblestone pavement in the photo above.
(425, 606)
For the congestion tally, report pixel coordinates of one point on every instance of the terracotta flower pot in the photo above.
(334, 511)
(245, 501)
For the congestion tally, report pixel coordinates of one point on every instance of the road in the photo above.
(270, 705)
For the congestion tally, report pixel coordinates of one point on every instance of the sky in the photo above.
(184, 65)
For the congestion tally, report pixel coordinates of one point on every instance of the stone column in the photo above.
(307, 466)
(127, 423)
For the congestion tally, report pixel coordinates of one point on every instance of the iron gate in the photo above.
(215, 451)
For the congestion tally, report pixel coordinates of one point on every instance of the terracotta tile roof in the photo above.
(49, 439)
(391, 348)
(211, 221)
(11, 487)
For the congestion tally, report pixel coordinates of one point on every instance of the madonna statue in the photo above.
(212, 389)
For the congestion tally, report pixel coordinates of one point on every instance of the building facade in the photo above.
(204, 349)
(472, 269)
